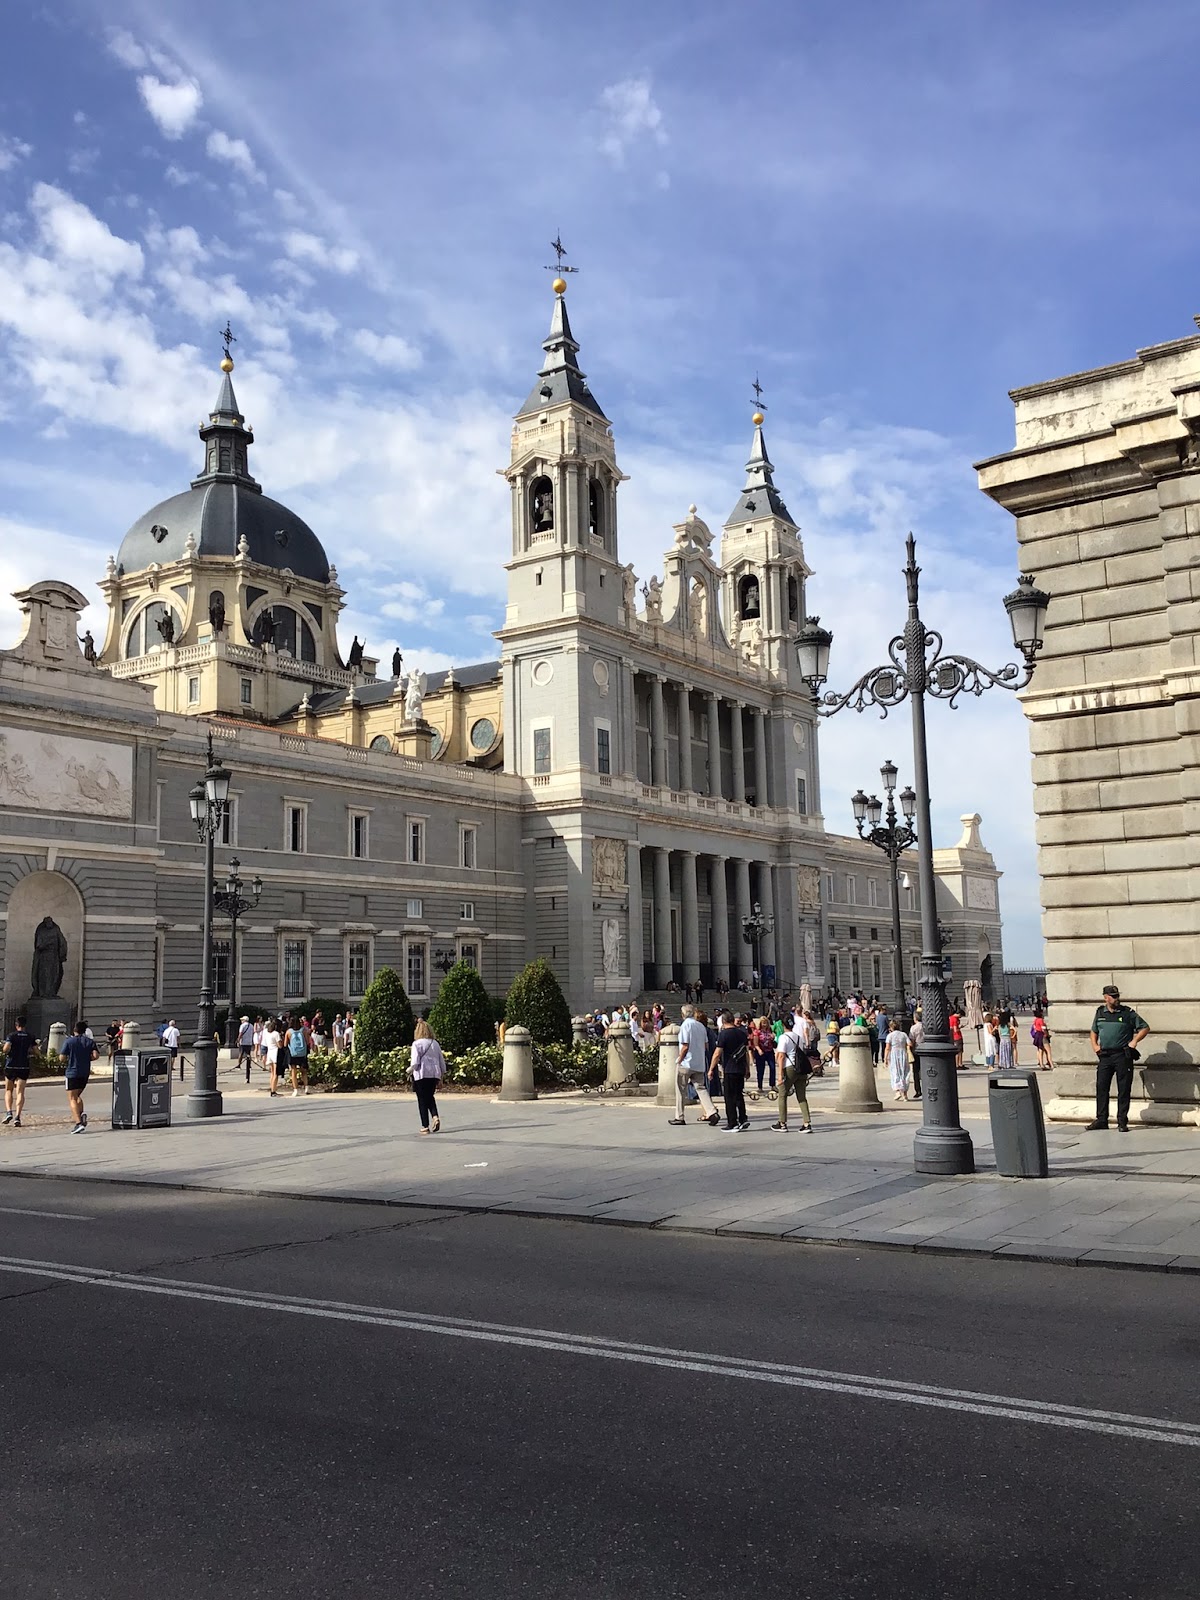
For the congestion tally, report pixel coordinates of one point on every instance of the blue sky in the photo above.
(892, 214)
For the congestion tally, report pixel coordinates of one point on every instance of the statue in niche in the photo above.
(216, 611)
(166, 627)
(810, 953)
(89, 648)
(629, 589)
(354, 659)
(808, 888)
(49, 959)
(610, 941)
(698, 608)
(414, 696)
(750, 641)
(264, 628)
(397, 663)
(654, 595)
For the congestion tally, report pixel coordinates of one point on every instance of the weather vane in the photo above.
(228, 335)
(758, 393)
(560, 251)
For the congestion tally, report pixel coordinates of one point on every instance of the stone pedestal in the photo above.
(516, 1082)
(131, 1038)
(44, 1013)
(856, 1072)
(622, 1060)
(414, 739)
(579, 1030)
(668, 1065)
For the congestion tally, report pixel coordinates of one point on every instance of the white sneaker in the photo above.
(295, 1094)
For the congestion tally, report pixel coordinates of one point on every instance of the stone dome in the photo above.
(217, 514)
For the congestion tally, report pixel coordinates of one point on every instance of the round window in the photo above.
(542, 673)
(483, 734)
(437, 744)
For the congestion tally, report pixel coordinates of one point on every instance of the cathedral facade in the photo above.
(633, 775)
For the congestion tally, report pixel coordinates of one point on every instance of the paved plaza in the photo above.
(1112, 1199)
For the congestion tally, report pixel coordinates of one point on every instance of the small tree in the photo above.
(462, 1013)
(385, 1018)
(536, 1002)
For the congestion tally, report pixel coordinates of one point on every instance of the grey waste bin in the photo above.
(1018, 1127)
(142, 1089)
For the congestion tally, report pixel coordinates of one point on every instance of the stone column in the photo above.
(685, 738)
(689, 916)
(633, 877)
(668, 1065)
(662, 919)
(741, 910)
(737, 748)
(766, 899)
(856, 1073)
(516, 1080)
(720, 916)
(658, 733)
(622, 1059)
(714, 747)
(761, 794)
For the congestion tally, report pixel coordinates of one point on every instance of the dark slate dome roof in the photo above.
(217, 514)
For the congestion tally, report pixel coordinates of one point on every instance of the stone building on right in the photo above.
(1104, 484)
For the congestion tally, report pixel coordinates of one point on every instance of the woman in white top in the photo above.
(896, 1045)
(272, 1039)
(428, 1066)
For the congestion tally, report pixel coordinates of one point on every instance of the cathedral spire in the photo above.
(226, 437)
(560, 379)
(760, 497)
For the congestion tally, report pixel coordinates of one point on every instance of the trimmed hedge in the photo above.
(385, 1018)
(555, 1066)
(536, 1002)
(462, 1013)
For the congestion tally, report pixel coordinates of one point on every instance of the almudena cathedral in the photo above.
(616, 792)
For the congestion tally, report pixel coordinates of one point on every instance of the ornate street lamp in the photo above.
(230, 899)
(893, 838)
(755, 927)
(207, 801)
(918, 667)
(443, 960)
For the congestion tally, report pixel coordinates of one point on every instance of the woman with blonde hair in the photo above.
(427, 1065)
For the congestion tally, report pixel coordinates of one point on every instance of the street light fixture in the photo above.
(754, 929)
(207, 802)
(893, 838)
(230, 899)
(917, 667)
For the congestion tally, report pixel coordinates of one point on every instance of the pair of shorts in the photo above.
(16, 1072)
(76, 1085)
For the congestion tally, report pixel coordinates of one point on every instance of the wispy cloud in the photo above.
(631, 117)
(307, 247)
(387, 350)
(234, 153)
(174, 106)
(11, 151)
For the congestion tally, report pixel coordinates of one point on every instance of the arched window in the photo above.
(380, 742)
(749, 604)
(224, 449)
(287, 631)
(145, 632)
(793, 599)
(541, 505)
(595, 509)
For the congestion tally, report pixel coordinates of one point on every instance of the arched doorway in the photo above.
(43, 898)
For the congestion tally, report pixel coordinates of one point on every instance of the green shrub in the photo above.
(536, 1002)
(462, 1013)
(385, 1018)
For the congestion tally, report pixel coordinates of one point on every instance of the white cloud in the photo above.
(75, 235)
(11, 151)
(631, 116)
(307, 247)
(180, 177)
(235, 153)
(289, 207)
(174, 106)
(387, 350)
(125, 48)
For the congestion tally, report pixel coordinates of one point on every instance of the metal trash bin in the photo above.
(141, 1089)
(1018, 1127)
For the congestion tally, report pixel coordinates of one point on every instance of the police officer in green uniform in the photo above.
(1116, 1030)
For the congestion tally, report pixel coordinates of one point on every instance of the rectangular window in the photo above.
(855, 973)
(295, 969)
(415, 909)
(160, 961)
(470, 954)
(877, 972)
(358, 835)
(541, 750)
(802, 795)
(228, 833)
(466, 911)
(220, 969)
(467, 839)
(851, 889)
(415, 969)
(829, 887)
(853, 931)
(294, 829)
(193, 691)
(247, 690)
(358, 968)
(603, 750)
(835, 981)
(910, 897)
(416, 839)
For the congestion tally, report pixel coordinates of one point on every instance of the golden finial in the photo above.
(757, 419)
(228, 335)
(227, 364)
(559, 286)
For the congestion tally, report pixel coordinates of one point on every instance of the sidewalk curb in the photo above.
(1106, 1258)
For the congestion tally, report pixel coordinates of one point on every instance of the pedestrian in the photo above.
(320, 1037)
(338, 1031)
(17, 1049)
(427, 1065)
(296, 1043)
(1006, 1053)
(113, 1034)
(691, 1070)
(170, 1039)
(245, 1043)
(916, 1038)
(1117, 1031)
(1040, 1034)
(991, 1041)
(833, 1038)
(79, 1051)
(897, 1056)
(956, 1036)
(732, 1057)
(348, 1034)
(879, 1034)
(272, 1042)
(792, 1063)
(713, 1074)
(762, 1047)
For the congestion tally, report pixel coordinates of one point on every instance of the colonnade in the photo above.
(736, 784)
(732, 886)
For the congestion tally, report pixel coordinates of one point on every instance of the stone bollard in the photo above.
(516, 1081)
(856, 1072)
(55, 1039)
(668, 1065)
(622, 1060)
(579, 1031)
(131, 1038)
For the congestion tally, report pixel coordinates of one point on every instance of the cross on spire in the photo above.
(560, 251)
(228, 336)
(758, 393)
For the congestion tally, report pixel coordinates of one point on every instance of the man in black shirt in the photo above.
(732, 1056)
(78, 1052)
(17, 1048)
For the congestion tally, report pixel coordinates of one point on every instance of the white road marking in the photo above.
(1161, 1430)
(59, 1216)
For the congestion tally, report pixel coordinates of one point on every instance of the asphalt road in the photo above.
(275, 1398)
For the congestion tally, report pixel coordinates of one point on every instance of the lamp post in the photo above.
(753, 929)
(917, 667)
(892, 837)
(233, 903)
(207, 802)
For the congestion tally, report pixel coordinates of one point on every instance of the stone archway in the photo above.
(34, 897)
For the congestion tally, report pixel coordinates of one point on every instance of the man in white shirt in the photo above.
(792, 1061)
(693, 1048)
(171, 1040)
(916, 1035)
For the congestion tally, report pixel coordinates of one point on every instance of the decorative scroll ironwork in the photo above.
(946, 678)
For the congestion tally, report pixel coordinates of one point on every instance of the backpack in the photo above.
(297, 1045)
